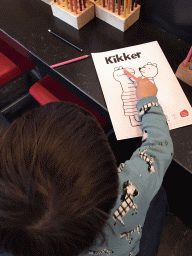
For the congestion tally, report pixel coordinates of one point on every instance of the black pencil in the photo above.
(65, 40)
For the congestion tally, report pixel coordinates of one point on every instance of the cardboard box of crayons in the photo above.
(120, 16)
(75, 13)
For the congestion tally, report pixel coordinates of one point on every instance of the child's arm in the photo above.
(141, 177)
(150, 162)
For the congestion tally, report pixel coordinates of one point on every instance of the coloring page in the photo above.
(146, 60)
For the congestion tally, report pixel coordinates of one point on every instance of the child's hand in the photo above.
(145, 88)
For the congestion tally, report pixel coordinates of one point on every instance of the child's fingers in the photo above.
(145, 88)
(139, 79)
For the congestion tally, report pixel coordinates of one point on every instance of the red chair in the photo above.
(8, 70)
(13, 64)
(41, 94)
(49, 90)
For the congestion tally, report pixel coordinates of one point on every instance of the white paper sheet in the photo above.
(147, 60)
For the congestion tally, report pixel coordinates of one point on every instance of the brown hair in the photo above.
(58, 181)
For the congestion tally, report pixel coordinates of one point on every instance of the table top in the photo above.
(28, 23)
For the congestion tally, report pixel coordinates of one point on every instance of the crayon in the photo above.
(129, 74)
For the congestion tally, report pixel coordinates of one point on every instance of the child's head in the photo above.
(58, 178)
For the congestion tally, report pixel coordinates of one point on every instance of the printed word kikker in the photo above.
(116, 58)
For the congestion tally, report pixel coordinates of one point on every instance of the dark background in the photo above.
(174, 16)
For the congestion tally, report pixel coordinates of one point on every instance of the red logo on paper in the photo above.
(184, 113)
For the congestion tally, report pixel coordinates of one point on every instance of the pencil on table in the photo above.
(129, 74)
(65, 40)
(103, 3)
(69, 61)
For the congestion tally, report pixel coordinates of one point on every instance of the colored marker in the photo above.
(188, 57)
(190, 67)
(69, 61)
(129, 74)
(65, 40)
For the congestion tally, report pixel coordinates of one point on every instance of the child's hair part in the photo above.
(58, 181)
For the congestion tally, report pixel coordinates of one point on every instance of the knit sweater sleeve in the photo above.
(154, 156)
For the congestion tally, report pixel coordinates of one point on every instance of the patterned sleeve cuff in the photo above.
(144, 104)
